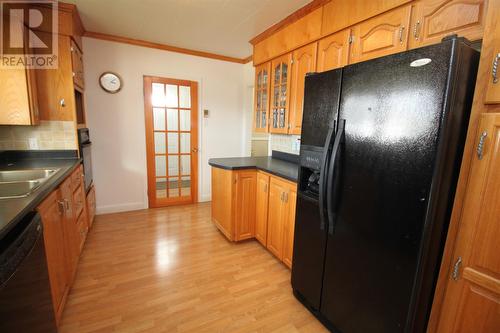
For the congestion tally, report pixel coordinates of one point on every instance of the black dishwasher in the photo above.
(25, 299)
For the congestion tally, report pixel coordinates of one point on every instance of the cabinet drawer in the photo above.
(79, 201)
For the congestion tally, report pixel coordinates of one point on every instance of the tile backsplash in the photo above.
(285, 143)
(49, 135)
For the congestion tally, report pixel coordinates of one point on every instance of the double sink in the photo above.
(21, 183)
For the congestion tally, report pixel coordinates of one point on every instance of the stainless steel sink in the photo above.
(21, 183)
(18, 189)
(25, 175)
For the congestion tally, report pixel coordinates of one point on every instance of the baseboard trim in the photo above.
(120, 208)
(205, 198)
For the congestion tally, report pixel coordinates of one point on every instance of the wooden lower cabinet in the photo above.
(380, 36)
(289, 227)
(276, 217)
(261, 207)
(281, 218)
(244, 204)
(51, 211)
(472, 298)
(64, 235)
(254, 204)
(233, 202)
(70, 228)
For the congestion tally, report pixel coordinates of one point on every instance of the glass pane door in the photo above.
(261, 97)
(171, 113)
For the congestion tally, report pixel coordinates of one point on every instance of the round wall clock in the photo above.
(110, 82)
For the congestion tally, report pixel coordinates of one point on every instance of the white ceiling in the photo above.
(217, 26)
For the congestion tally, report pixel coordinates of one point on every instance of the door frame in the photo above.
(150, 148)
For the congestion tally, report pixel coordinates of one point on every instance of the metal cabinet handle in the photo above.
(66, 204)
(494, 70)
(456, 269)
(61, 206)
(62, 102)
(265, 188)
(401, 34)
(416, 30)
(480, 145)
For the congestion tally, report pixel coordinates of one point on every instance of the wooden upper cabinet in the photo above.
(222, 201)
(434, 19)
(280, 93)
(301, 32)
(493, 38)
(77, 65)
(244, 202)
(261, 104)
(261, 204)
(289, 226)
(381, 35)
(56, 95)
(18, 97)
(339, 14)
(472, 299)
(333, 51)
(18, 94)
(303, 62)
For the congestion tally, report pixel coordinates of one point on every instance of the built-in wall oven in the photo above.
(85, 145)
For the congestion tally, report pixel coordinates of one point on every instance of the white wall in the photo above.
(116, 121)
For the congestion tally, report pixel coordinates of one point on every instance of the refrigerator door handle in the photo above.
(331, 183)
(323, 176)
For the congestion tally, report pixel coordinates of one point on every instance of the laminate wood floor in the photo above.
(171, 270)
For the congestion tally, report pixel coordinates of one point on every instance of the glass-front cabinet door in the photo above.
(261, 104)
(280, 93)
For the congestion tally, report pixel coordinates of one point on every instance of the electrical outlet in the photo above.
(33, 143)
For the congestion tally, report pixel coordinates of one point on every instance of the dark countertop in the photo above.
(272, 165)
(13, 210)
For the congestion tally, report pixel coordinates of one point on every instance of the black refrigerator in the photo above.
(381, 148)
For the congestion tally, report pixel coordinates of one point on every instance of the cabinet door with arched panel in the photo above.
(434, 19)
(382, 35)
(333, 51)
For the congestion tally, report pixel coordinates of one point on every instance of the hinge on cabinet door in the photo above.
(351, 39)
(480, 145)
(456, 269)
(291, 62)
